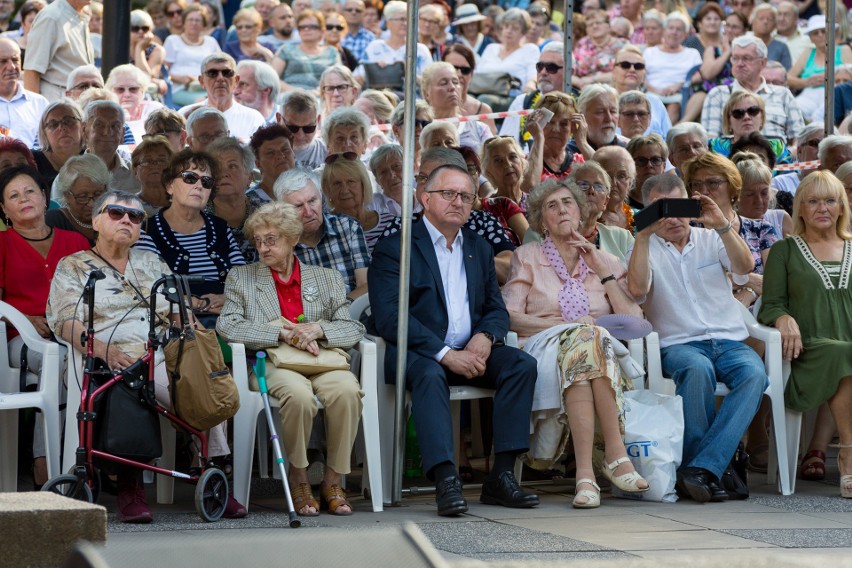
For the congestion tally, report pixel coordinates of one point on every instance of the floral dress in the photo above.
(590, 59)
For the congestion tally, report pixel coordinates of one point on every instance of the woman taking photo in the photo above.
(300, 65)
(807, 298)
(248, 25)
(442, 90)
(257, 315)
(80, 183)
(567, 124)
(149, 160)
(60, 133)
(461, 57)
(545, 283)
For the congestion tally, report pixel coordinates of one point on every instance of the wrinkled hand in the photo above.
(590, 253)
(217, 301)
(711, 216)
(479, 345)
(40, 325)
(116, 359)
(579, 127)
(465, 363)
(532, 125)
(302, 335)
(791, 337)
(588, 320)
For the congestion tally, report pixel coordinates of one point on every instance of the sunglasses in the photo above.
(332, 27)
(308, 27)
(421, 123)
(136, 29)
(739, 113)
(178, 12)
(331, 158)
(464, 69)
(307, 129)
(117, 213)
(192, 178)
(551, 68)
(627, 65)
(213, 73)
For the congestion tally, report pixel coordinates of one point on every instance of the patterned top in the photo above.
(388, 224)
(722, 146)
(503, 209)
(358, 43)
(590, 59)
(253, 202)
(304, 70)
(759, 235)
(783, 115)
(342, 247)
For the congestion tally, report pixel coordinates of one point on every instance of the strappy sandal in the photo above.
(593, 498)
(302, 497)
(333, 498)
(845, 480)
(626, 482)
(813, 466)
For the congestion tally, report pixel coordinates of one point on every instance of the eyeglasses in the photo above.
(421, 178)
(333, 27)
(450, 195)
(421, 123)
(328, 89)
(628, 64)
(739, 113)
(586, 186)
(269, 241)
(354, 10)
(551, 68)
(192, 178)
(84, 86)
(153, 163)
(171, 13)
(307, 129)
(744, 59)
(654, 161)
(711, 184)
(136, 29)
(308, 27)
(84, 198)
(120, 90)
(160, 133)
(430, 21)
(464, 69)
(246, 27)
(213, 73)
(67, 122)
(632, 114)
(331, 158)
(117, 213)
(811, 143)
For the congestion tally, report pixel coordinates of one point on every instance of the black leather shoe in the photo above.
(506, 491)
(449, 497)
(693, 482)
(717, 493)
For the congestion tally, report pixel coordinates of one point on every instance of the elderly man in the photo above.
(679, 275)
(332, 241)
(807, 145)
(219, 78)
(103, 132)
(783, 116)
(257, 88)
(787, 30)
(20, 110)
(357, 37)
(300, 113)
(169, 123)
(203, 126)
(763, 20)
(282, 28)
(628, 74)
(619, 165)
(686, 140)
(598, 103)
(457, 320)
(774, 74)
(550, 77)
(60, 42)
(81, 79)
(834, 151)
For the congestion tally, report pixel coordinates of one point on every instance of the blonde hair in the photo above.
(342, 167)
(488, 154)
(277, 215)
(822, 184)
(736, 98)
(716, 164)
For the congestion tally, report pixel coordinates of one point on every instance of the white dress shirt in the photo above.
(21, 114)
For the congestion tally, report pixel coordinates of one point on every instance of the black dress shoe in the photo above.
(717, 493)
(449, 497)
(506, 491)
(693, 482)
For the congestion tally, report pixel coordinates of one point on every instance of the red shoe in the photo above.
(131, 504)
(234, 510)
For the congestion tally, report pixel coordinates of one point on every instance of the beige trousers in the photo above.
(340, 394)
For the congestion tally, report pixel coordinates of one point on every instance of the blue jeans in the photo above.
(710, 439)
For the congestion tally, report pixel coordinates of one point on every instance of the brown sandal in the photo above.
(333, 498)
(302, 497)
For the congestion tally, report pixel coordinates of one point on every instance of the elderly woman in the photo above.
(190, 240)
(377, 105)
(598, 104)
(431, 25)
(299, 65)
(348, 191)
(844, 174)
(386, 165)
(442, 90)
(13, 153)
(185, 50)
(652, 26)
(595, 53)
(29, 253)
(685, 141)
(444, 134)
(145, 52)
(649, 154)
(336, 29)
(756, 195)
(468, 24)
(566, 125)
(545, 280)
(338, 89)
(807, 298)
(257, 314)
(634, 113)
(669, 62)
(512, 55)
(121, 324)
(129, 84)
(744, 114)
(715, 53)
(464, 62)
(422, 117)
(504, 165)
(60, 132)
(148, 160)
(392, 50)
(248, 25)
(273, 149)
(346, 130)
(81, 181)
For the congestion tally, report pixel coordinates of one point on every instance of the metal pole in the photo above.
(405, 247)
(829, 66)
(568, 42)
(115, 48)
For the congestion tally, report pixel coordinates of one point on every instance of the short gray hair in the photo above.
(200, 114)
(64, 102)
(654, 15)
(844, 170)
(94, 106)
(398, 116)
(71, 80)
(393, 9)
(87, 166)
(595, 167)
(515, 16)
(218, 57)
(554, 47)
(810, 130)
(680, 17)
(383, 153)
(664, 184)
(443, 156)
(300, 100)
(788, 4)
(430, 129)
(540, 193)
(293, 180)
(829, 143)
(141, 18)
(683, 128)
(652, 139)
(634, 98)
(264, 76)
(142, 78)
(593, 92)
(345, 116)
(744, 41)
(120, 197)
(760, 7)
(231, 144)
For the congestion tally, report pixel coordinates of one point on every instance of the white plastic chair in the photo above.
(46, 398)
(251, 407)
(781, 459)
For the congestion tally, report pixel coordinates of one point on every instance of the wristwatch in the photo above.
(489, 336)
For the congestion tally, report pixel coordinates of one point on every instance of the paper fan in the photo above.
(624, 327)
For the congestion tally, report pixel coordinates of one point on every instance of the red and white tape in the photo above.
(797, 166)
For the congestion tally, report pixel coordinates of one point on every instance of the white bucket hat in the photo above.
(816, 23)
(467, 14)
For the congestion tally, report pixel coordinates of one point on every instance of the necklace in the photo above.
(79, 222)
(49, 234)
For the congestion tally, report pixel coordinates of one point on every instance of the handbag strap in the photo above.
(142, 297)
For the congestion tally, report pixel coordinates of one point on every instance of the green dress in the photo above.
(818, 296)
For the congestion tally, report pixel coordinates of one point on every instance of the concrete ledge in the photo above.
(41, 529)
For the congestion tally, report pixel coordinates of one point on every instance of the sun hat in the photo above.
(816, 23)
(467, 14)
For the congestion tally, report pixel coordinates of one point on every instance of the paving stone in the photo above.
(798, 538)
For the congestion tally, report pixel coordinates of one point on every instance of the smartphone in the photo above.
(666, 208)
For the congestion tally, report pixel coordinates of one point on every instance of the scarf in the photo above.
(573, 299)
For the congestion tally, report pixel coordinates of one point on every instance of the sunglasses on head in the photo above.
(551, 68)
(332, 27)
(192, 178)
(117, 213)
(135, 29)
(213, 73)
(739, 113)
(464, 69)
(307, 128)
(331, 158)
(627, 65)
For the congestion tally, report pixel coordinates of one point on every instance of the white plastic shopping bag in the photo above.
(654, 440)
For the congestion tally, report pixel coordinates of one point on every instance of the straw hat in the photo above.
(467, 14)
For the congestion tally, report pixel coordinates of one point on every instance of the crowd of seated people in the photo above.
(263, 149)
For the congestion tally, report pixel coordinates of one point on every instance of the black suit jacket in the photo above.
(428, 320)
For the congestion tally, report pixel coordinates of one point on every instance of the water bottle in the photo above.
(413, 463)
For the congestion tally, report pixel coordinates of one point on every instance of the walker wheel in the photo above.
(70, 486)
(211, 495)
(95, 477)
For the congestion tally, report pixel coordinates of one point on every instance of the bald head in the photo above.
(10, 67)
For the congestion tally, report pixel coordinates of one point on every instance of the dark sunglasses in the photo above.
(331, 158)
(213, 73)
(421, 123)
(135, 29)
(117, 213)
(171, 13)
(551, 68)
(464, 69)
(627, 65)
(307, 129)
(192, 178)
(740, 113)
(332, 27)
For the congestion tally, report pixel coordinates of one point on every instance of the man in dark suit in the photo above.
(457, 321)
